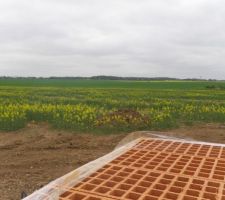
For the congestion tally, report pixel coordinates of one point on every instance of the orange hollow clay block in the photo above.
(158, 169)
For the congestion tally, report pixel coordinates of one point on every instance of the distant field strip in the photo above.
(110, 107)
(182, 85)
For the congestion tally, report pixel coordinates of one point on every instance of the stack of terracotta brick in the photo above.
(157, 169)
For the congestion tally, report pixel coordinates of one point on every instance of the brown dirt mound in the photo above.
(124, 115)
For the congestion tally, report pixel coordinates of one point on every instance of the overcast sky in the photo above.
(175, 38)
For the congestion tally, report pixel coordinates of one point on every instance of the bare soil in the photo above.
(38, 154)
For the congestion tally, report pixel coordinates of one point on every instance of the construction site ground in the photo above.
(38, 154)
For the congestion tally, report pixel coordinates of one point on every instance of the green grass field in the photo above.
(110, 106)
(184, 85)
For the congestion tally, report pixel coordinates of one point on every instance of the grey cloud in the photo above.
(177, 38)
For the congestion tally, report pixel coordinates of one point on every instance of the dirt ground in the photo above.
(37, 154)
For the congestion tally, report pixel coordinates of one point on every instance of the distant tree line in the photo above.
(110, 78)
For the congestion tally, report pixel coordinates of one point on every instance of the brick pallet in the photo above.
(152, 169)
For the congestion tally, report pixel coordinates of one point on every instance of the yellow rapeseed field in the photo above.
(109, 109)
